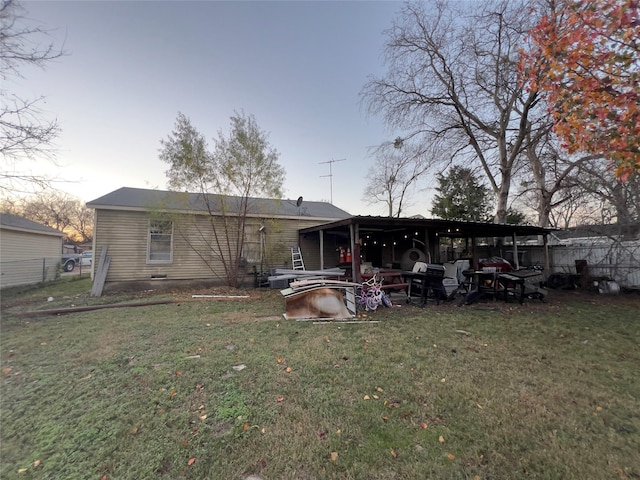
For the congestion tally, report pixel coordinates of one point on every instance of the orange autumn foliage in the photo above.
(585, 59)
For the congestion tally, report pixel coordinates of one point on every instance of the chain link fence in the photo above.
(29, 271)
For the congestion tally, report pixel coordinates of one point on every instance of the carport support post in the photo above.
(355, 255)
(474, 254)
(547, 266)
(321, 233)
(427, 248)
(515, 251)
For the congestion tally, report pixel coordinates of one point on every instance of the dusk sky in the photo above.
(130, 67)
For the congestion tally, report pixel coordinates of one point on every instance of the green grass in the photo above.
(543, 391)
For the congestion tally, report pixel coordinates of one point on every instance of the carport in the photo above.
(400, 242)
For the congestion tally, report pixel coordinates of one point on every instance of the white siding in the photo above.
(194, 257)
(27, 258)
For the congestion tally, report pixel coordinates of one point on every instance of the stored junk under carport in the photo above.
(384, 242)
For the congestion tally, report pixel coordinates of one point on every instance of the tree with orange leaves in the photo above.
(585, 58)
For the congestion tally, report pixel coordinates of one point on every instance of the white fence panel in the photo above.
(620, 261)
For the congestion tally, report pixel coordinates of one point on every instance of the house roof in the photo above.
(615, 230)
(15, 222)
(144, 199)
(444, 228)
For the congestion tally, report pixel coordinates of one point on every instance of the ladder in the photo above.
(296, 258)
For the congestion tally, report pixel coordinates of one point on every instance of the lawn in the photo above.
(229, 389)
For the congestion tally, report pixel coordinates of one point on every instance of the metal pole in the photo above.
(331, 162)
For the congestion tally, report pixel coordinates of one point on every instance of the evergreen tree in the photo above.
(461, 196)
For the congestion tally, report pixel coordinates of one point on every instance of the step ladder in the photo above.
(296, 258)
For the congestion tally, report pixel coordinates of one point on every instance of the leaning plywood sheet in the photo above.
(316, 302)
(101, 273)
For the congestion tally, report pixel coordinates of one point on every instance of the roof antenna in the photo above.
(331, 162)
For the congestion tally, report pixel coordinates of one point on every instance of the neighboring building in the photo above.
(590, 235)
(155, 235)
(29, 252)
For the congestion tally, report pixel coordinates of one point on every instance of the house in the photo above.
(157, 236)
(589, 235)
(29, 252)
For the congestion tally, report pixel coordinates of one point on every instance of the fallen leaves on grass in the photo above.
(191, 461)
(451, 456)
(441, 439)
(334, 456)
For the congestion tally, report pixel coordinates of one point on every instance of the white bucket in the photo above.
(608, 287)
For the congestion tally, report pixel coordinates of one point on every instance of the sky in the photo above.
(297, 66)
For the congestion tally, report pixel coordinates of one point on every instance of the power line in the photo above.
(331, 162)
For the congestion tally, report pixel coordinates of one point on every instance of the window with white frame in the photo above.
(160, 242)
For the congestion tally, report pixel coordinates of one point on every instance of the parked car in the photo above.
(70, 260)
(87, 258)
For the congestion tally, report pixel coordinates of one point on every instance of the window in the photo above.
(160, 241)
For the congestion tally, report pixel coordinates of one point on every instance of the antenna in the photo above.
(331, 162)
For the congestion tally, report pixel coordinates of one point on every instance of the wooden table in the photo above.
(429, 280)
(493, 284)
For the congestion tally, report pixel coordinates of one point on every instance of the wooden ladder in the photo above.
(296, 258)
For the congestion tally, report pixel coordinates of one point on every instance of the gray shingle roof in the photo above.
(616, 230)
(144, 199)
(14, 222)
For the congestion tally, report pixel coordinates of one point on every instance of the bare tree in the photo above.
(25, 132)
(453, 75)
(548, 175)
(620, 201)
(393, 177)
(55, 209)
